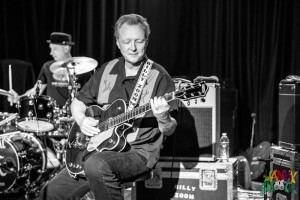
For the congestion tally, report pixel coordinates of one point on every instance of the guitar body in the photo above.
(114, 126)
(112, 139)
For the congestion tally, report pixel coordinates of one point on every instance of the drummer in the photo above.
(60, 49)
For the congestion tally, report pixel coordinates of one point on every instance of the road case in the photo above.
(284, 170)
(289, 114)
(190, 180)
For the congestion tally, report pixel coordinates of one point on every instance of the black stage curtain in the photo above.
(252, 44)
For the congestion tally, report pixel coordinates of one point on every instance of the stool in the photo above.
(129, 191)
(128, 186)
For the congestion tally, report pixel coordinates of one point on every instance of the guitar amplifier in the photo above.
(198, 128)
(289, 114)
(283, 180)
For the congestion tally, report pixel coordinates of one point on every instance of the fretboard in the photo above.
(120, 119)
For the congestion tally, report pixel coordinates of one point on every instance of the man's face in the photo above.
(132, 43)
(58, 52)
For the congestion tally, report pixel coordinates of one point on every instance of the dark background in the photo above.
(249, 44)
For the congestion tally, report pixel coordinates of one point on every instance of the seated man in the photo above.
(131, 79)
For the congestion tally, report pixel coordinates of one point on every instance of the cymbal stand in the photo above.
(73, 88)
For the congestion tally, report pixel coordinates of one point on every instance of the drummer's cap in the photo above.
(60, 38)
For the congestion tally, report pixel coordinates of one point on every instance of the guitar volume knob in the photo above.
(110, 140)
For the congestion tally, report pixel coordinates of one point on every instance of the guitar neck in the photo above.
(120, 119)
(190, 91)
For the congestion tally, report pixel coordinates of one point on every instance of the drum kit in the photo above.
(32, 141)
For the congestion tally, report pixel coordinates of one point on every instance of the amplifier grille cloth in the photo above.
(193, 137)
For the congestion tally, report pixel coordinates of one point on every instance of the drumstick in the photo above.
(4, 92)
(10, 82)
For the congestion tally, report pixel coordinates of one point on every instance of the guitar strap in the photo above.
(140, 84)
(107, 83)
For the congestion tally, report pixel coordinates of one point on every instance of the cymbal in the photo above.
(75, 66)
(61, 75)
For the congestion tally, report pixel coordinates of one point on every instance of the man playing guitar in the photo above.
(117, 133)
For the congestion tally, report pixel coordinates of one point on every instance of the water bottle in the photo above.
(224, 148)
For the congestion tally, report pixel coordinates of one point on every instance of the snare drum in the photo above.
(36, 113)
(22, 159)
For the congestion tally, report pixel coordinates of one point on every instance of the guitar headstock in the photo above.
(192, 91)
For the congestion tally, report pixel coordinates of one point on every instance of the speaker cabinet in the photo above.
(198, 131)
(289, 115)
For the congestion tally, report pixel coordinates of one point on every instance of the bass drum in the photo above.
(22, 160)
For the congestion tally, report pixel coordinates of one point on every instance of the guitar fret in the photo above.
(125, 116)
(115, 120)
(109, 123)
(118, 119)
(128, 116)
(122, 118)
(142, 109)
(102, 126)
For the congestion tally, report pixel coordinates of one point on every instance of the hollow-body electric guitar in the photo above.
(114, 124)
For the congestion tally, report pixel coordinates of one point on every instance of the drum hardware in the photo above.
(8, 123)
(52, 161)
(5, 93)
(63, 124)
(60, 84)
(66, 119)
(4, 115)
(59, 147)
(8, 119)
(7, 167)
(38, 88)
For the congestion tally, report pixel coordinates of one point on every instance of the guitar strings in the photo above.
(119, 119)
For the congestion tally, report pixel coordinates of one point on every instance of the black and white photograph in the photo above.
(149, 99)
